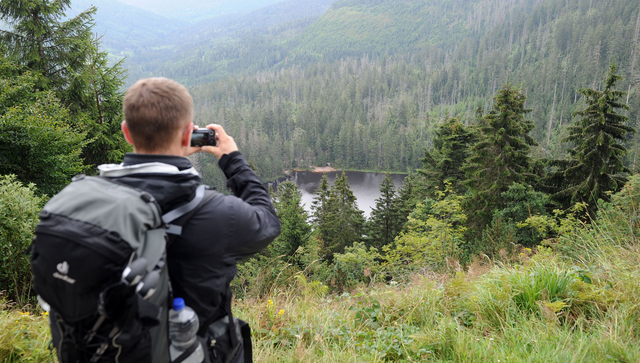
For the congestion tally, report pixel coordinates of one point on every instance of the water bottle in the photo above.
(183, 326)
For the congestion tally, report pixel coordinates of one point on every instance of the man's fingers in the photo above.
(193, 149)
(208, 149)
(218, 129)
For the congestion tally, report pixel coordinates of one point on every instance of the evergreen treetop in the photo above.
(501, 156)
(450, 151)
(387, 218)
(40, 40)
(595, 166)
(340, 223)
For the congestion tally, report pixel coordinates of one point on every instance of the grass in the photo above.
(24, 335)
(537, 310)
(576, 301)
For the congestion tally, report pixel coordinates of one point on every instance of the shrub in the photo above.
(356, 265)
(435, 233)
(19, 208)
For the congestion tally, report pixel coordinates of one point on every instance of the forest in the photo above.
(516, 124)
(341, 109)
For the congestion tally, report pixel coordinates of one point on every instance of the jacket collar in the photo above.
(148, 164)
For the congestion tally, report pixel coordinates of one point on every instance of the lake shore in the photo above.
(330, 169)
(317, 169)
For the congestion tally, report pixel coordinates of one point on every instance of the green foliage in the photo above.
(617, 219)
(319, 204)
(435, 233)
(539, 283)
(451, 148)
(508, 227)
(387, 217)
(293, 218)
(409, 195)
(19, 208)
(24, 336)
(42, 42)
(500, 157)
(262, 275)
(342, 222)
(37, 143)
(595, 165)
(575, 302)
(551, 227)
(94, 94)
(67, 56)
(364, 86)
(358, 264)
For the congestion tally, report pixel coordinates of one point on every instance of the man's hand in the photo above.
(226, 143)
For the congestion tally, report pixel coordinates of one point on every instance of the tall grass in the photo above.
(576, 301)
(24, 335)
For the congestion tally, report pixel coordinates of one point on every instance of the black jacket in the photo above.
(202, 261)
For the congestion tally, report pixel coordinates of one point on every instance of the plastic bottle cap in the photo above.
(178, 304)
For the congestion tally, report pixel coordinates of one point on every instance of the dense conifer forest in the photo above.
(386, 90)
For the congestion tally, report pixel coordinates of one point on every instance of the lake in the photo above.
(365, 186)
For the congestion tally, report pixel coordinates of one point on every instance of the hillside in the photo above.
(193, 11)
(124, 27)
(227, 45)
(350, 83)
(576, 302)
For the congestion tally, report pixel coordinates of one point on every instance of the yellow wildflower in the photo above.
(281, 312)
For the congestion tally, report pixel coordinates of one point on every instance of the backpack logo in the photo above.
(63, 269)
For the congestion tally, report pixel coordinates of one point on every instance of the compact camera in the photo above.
(203, 137)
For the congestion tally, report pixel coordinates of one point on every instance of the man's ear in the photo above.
(186, 135)
(126, 133)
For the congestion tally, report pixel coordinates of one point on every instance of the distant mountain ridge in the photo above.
(193, 11)
(221, 46)
(124, 27)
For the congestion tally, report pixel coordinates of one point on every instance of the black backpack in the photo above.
(98, 260)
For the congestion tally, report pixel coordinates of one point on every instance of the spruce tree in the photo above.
(594, 167)
(409, 196)
(295, 230)
(342, 223)
(37, 144)
(500, 157)
(95, 95)
(319, 204)
(387, 217)
(67, 54)
(39, 39)
(450, 151)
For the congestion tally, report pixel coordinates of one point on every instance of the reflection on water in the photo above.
(365, 186)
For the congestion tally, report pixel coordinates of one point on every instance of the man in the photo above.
(202, 261)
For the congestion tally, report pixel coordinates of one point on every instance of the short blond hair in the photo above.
(155, 109)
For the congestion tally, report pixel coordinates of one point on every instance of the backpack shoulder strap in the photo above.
(176, 218)
(183, 210)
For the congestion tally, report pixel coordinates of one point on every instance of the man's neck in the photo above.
(173, 151)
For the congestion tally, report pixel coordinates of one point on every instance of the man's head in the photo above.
(158, 115)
